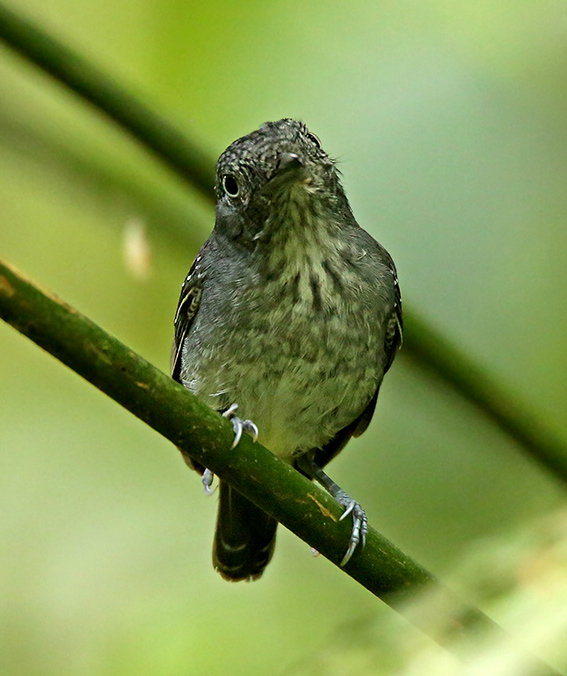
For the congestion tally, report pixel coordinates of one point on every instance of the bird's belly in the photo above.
(298, 412)
(299, 378)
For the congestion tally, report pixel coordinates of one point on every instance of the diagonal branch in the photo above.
(426, 346)
(206, 436)
(270, 483)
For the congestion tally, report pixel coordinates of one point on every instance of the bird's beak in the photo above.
(290, 171)
(289, 162)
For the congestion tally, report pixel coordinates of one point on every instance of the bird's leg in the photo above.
(359, 518)
(238, 426)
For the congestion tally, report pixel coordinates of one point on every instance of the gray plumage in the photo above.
(291, 310)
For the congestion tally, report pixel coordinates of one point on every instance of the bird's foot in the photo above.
(359, 518)
(239, 425)
(359, 523)
(207, 480)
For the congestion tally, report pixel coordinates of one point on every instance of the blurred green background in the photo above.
(448, 118)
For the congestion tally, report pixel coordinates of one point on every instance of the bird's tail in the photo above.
(244, 539)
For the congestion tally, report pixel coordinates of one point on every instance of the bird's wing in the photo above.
(187, 309)
(394, 325)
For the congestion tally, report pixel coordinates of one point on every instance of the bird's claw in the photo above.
(239, 425)
(207, 480)
(359, 524)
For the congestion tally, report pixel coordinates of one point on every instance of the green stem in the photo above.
(423, 344)
(169, 144)
(206, 436)
(438, 356)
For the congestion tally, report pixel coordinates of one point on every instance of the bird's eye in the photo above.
(314, 139)
(230, 185)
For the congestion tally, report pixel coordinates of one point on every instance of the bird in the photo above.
(287, 321)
